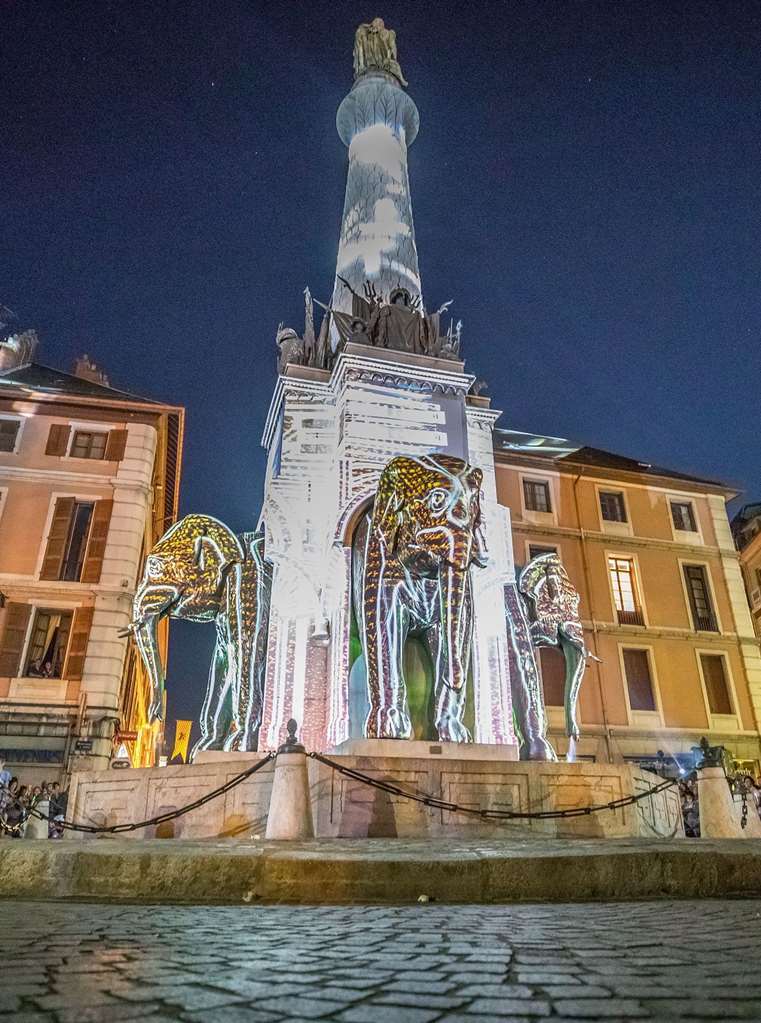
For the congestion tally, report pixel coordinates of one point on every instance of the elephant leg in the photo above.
(452, 636)
(255, 610)
(525, 684)
(216, 712)
(386, 629)
(575, 665)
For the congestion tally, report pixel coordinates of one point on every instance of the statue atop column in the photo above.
(375, 49)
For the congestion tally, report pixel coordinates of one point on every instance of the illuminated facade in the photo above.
(390, 383)
(88, 479)
(662, 600)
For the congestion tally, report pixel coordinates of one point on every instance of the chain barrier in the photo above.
(491, 815)
(162, 818)
(384, 786)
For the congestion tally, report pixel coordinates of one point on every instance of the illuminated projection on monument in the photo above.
(201, 571)
(377, 121)
(411, 566)
(377, 612)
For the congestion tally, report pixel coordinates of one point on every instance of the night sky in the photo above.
(585, 187)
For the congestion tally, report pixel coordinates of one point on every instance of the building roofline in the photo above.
(567, 466)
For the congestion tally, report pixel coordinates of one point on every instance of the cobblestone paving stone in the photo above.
(74, 963)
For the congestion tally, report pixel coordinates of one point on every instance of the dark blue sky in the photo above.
(585, 186)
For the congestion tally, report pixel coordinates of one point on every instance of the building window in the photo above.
(639, 682)
(9, 429)
(76, 541)
(717, 687)
(47, 647)
(625, 591)
(536, 550)
(87, 444)
(612, 506)
(536, 495)
(683, 516)
(703, 617)
(553, 676)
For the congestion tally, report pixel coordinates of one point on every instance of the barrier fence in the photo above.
(492, 815)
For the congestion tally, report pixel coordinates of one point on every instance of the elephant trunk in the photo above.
(152, 603)
(147, 639)
(455, 619)
(453, 656)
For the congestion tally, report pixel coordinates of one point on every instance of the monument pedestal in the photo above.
(342, 807)
(419, 749)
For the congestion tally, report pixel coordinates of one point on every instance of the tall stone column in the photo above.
(377, 121)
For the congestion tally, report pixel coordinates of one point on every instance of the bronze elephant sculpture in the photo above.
(411, 576)
(201, 571)
(542, 609)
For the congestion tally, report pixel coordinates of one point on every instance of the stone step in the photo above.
(378, 870)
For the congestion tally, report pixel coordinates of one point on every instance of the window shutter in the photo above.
(57, 537)
(553, 676)
(80, 634)
(96, 544)
(12, 646)
(58, 439)
(116, 445)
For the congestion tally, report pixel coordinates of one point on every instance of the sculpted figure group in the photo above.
(375, 50)
(395, 322)
(412, 557)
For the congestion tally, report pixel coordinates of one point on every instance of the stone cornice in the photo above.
(692, 550)
(364, 364)
(485, 418)
(388, 368)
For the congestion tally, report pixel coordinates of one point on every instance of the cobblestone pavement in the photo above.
(74, 962)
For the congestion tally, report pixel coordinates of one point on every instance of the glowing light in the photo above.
(376, 146)
(370, 240)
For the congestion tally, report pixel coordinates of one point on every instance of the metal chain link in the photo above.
(496, 815)
(117, 829)
(427, 800)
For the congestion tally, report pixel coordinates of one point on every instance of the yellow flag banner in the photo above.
(181, 740)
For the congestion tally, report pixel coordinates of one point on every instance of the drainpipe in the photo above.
(588, 584)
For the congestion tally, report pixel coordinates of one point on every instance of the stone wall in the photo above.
(344, 808)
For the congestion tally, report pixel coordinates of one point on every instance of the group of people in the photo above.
(17, 801)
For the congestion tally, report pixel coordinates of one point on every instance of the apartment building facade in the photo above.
(89, 478)
(746, 529)
(662, 599)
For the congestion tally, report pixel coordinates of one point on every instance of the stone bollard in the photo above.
(290, 814)
(720, 812)
(35, 826)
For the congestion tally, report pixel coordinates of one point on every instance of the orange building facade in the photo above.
(89, 479)
(746, 528)
(662, 599)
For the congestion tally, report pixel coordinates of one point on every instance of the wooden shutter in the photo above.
(715, 678)
(57, 537)
(58, 439)
(80, 633)
(638, 680)
(553, 676)
(116, 445)
(14, 634)
(96, 543)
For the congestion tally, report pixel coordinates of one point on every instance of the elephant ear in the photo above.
(215, 543)
(387, 510)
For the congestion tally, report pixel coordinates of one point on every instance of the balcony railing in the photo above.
(630, 617)
(705, 623)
